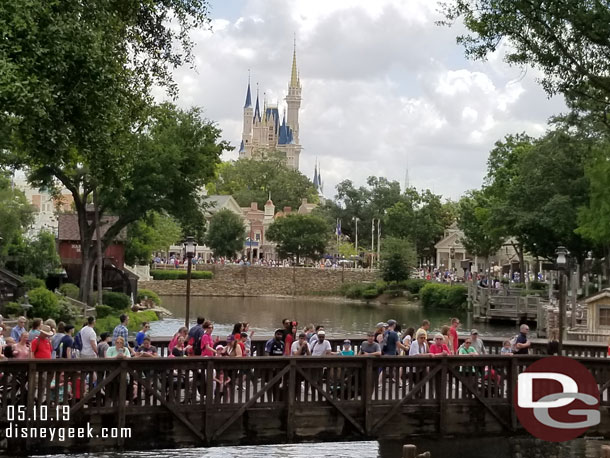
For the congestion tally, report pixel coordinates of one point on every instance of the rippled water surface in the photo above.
(486, 447)
(339, 317)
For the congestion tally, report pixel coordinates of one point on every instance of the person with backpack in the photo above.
(520, 343)
(391, 340)
(194, 337)
(56, 339)
(64, 348)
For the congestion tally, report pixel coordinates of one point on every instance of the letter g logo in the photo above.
(557, 399)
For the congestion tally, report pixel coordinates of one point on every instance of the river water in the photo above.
(498, 447)
(339, 317)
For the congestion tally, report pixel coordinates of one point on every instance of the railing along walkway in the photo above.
(215, 401)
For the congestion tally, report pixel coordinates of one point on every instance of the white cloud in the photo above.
(383, 86)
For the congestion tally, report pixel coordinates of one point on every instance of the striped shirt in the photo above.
(120, 331)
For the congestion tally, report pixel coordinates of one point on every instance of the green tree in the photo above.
(16, 214)
(76, 98)
(226, 234)
(37, 257)
(155, 232)
(567, 40)
(301, 236)
(397, 259)
(251, 180)
(481, 237)
(347, 250)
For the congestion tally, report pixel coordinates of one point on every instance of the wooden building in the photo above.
(115, 275)
(598, 312)
(11, 286)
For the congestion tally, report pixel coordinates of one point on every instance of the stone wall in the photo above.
(261, 281)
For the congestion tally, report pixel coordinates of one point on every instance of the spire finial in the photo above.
(294, 77)
(248, 103)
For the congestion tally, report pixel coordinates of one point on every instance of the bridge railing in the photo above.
(222, 400)
(493, 346)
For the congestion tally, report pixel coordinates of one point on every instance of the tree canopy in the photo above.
(226, 234)
(397, 259)
(155, 232)
(251, 180)
(301, 236)
(15, 215)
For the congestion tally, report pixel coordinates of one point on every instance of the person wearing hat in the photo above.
(347, 348)
(41, 345)
(321, 347)
(477, 342)
(391, 340)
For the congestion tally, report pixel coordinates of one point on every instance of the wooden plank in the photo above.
(474, 391)
(122, 399)
(290, 414)
(334, 403)
(442, 400)
(95, 390)
(250, 402)
(418, 386)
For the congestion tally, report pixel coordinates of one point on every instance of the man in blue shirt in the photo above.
(121, 329)
(522, 345)
(19, 329)
(391, 340)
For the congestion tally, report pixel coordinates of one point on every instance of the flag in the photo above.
(338, 227)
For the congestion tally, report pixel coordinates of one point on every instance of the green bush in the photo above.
(355, 290)
(109, 322)
(45, 303)
(414, 285)
(117, 301)
(443, 296)
(381, 286)
(13, 309)
(137, 318)
(518, 285)
(106, 324)
(68, 313)
(538, 285)
(70, 290)
(102, 311)
(180, 274)
(370, 293)
(31, 282)
(142, 293)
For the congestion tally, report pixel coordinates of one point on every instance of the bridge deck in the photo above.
(178, 402)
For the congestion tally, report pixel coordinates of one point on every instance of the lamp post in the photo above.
(356, 219)
(372, 242)
(562, 265)
(378, 241)
(189, 249)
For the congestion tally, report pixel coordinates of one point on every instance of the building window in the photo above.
(258, 237)
(604, 316)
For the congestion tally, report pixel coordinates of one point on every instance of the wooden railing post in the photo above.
(367, 394)
(209, 400)
(122, 400)
(512, 380)
(290, 411)
(409, 451)
(442, 396)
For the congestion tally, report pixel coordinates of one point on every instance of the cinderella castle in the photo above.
(265, 132)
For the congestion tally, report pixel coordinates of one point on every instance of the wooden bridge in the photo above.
(178, 402)
(504, 304)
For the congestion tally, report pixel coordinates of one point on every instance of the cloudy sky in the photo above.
(384, 88)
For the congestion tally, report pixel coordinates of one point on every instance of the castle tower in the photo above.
(293, 99)
(246, 137)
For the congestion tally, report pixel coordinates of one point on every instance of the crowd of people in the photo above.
(50, 340)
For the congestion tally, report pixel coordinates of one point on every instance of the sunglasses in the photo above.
(467, 343)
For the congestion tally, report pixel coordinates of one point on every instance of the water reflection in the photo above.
(339, 317)
(496, 447)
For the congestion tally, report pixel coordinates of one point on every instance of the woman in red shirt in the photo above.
(438, 348)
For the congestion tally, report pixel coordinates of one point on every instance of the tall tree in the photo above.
(155, 232)
(397, 259)
(567, 40)
(37, 256)
(301, 236)
(75, 93)
(226, 234)
(15, 215)
(251, 180)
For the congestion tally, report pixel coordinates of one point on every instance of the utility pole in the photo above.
(372, 241)
(378, 240)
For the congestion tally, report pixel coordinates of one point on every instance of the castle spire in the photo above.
(248, 103)
(315, 175)
(257, 111)
(294, 76)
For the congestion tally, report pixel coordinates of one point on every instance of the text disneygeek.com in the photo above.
(61, 433)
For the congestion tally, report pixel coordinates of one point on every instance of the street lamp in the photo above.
(562, 265)
(356, 219)
(189, 250)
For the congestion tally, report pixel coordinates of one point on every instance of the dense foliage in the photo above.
(300, 236)
(226, 234)
(442, 295)
(44, 304)
(397, 259)
(117, 301)
(180, 274)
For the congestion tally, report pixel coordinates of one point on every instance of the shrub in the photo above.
(31, 282)
(380, 286)
(355, 290)
(12, 308)
(68, 313)
(117, 301)
(180, 274)
(370, 293)
(150, 294)
(102, 311)
(414, 285)
(518, 285)
(443, 296)
(106, 324)
(538, 285)
(45, 303)
(70, 290)
(137, 318)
